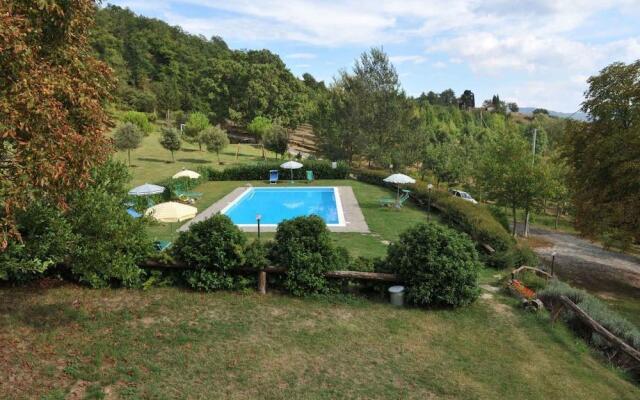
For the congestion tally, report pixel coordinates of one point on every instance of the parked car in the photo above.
(463, 195)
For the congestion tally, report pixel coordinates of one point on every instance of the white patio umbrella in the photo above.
(186, 173)
(399, 179)
(291, 165)
(147, 189)
(171, 212)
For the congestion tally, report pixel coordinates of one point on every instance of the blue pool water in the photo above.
(275, 205)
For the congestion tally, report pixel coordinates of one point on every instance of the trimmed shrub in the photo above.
(257, 255)
(139, 119)
(211, 249)
(260, 171)
(439, 265)
(597, 310)
(304, 247)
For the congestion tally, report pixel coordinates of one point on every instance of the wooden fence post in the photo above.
(262, 282)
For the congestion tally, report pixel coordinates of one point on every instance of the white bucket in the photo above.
(396, 294)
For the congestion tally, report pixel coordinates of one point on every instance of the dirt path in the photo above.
(588, 264)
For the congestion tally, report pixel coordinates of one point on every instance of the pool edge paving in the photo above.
(353, 216)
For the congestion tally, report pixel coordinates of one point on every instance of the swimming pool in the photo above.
(274, 205)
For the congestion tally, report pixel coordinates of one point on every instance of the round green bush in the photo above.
(304, 247)
(438, 265)
(211, 249)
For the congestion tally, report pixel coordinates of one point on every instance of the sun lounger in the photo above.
(273, 176)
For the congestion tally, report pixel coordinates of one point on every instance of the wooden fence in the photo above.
(262, 273)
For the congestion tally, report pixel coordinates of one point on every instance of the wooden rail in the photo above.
(601, 330)
(262, 273)
(537, 271)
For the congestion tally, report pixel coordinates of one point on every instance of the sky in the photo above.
(537, 53)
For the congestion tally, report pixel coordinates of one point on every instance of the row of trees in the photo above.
(366, 117)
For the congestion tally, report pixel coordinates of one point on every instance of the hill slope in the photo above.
(578, 115)
(161, 68)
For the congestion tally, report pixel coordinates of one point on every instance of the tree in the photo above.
(127, 137)
(603, 155)
(513, 107)
(215, 138)
(277, 140)
(170, 140)
(507, 175)
(140, 120)
(540, 111)
(467, 100)
(448, 98)
(363, 114)
(444, 161)
(259, 127)
(196, 124)
(52, 92)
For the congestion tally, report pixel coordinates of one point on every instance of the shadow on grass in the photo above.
(194, 160)
(18, 304)
(154, 160)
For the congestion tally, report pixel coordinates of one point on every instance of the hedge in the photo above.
(474, 219)
(260, 171)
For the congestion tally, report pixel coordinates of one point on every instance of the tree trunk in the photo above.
(129, 156)
(264, 156)
(173, 158)
(218, 154)
(200, 146)
(557, 216)
(513, 210)
(526, 222)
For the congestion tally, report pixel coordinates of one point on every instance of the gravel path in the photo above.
(589, 264)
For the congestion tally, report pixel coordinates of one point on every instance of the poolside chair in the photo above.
(185, 194)
(273, 176)
(134, 214)
(162, 245)
(309, 176)
(181, 193)
(398, 203)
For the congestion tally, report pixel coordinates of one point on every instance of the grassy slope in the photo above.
(152, 163)
(172, 343)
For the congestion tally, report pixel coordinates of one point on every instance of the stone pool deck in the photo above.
(352, 213)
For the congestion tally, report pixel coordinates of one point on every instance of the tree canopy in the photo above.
(52, 93)
(162, 68)
(603, 155)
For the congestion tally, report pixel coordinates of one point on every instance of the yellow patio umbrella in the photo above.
(186, 173)
(171, 212)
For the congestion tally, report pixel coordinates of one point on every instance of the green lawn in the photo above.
(152, 163)
(174, 343)
(385, 223)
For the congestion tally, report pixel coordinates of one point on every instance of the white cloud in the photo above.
(414, 59)
(301, 56)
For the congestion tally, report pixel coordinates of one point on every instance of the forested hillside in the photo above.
(160, 68)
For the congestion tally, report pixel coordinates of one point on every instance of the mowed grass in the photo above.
(173, 343)
(152, 163)
(385, 223)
